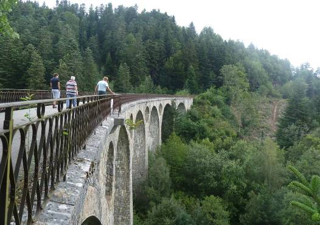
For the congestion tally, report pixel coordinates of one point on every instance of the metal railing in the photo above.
(15, 95)
(35, 156)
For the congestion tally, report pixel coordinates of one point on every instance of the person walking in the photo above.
(71, 92)
(55, 88)
(102, 87)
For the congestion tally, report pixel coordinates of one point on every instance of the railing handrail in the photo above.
(12, 89)
(33, 102)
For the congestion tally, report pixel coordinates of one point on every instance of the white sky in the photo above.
(287, 28)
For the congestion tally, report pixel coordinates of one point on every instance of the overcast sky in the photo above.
(287, 28)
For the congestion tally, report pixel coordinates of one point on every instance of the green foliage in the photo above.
(310, 190)
(296, 121)
(215, 211)
(123, 83)
(208, 118)
(257, 75)
(202, 171)
(287, 90)
(174, 152)
(28, 97)
(175, 72)
(235, 82)
(263, 208)
(309, 142)
(146, 86)
(271, 168)
(235, 86)
(5, 9)
(157, 185)
(132, 125)
(136, 219)
(36, 73)
(159, 181)
(169, 212)
(183, 92)
(90, 71)
(28, 113)
(293, 215)
(192, 82)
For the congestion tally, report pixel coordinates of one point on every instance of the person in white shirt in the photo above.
(102, 87)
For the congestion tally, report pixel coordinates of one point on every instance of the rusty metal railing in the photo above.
(34, 156)
(15, 95)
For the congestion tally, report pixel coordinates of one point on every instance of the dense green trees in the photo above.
(220, 175)
(149, 43)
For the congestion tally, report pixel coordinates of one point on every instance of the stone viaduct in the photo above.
(101, 180)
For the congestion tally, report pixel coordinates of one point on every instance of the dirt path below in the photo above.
(275, 114)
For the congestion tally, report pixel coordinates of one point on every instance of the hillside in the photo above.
(146, 49)
(270, 110)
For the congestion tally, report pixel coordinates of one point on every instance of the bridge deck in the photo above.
(20, 119)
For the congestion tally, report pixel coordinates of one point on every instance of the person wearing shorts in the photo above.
(55, 88)
(102, 87)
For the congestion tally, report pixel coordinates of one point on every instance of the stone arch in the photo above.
(181, 109)
(122, 199)
(110, 169)
(167, 122)
(92, 220)
(154, 129)
(139, 153)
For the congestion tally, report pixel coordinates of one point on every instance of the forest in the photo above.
(248, 152)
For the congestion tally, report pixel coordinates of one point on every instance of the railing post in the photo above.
(120, 104)
(4, 194)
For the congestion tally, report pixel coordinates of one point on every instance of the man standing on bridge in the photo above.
(55, 87)
(103, 86)
(71, 91)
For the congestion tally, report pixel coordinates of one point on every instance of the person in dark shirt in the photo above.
(55, 87)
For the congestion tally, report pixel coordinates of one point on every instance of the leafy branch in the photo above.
(28, 98)
(132, 125)
(5, 9)
(310, 191)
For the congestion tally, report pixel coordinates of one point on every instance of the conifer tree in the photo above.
(135, 59)
(310, 191)
(191, 82)
(45, 49)
(146, 86)
(36, 72)
(73, 66)
(296, 121)
(122, 83)
(64, 73)
(10, 70)
(109, 66)
(90, 71)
